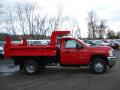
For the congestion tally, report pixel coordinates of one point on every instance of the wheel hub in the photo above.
(98, 67)
(30, 68)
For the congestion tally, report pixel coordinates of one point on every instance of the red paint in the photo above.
(23, 49)
(68, 56)
(81, 55)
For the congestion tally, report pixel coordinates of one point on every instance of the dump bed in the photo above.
(13, 50)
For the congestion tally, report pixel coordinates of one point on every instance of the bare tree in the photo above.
(51, 24)
(56, 22)
(73, 26)
(9, 24)
(110, 34)
(31, 20)
(118, 34)
(92, 20)
(101, 28)
(7, 21)
(29, 14)
(37, 25)
(78, 32)
(41, 26)
(58, 19)
(33, 23)
(21, 18)
(12, 24)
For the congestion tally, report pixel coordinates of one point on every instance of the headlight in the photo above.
(111, 53)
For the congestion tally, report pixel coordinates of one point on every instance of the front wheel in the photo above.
(98, 66)
(31, 67)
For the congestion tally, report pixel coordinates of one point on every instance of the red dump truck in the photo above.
(63, 51)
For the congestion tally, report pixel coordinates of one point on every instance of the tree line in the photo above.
(99, 29)
(26, 19)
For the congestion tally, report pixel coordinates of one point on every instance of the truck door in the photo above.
(72, 53)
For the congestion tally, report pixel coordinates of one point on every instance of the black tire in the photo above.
(1, 56)
(31, 67)
(21, 66)
(98, 66)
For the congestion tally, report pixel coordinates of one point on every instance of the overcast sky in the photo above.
(105, 9)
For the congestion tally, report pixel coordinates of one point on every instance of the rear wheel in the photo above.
(31, 67)
(98, 66)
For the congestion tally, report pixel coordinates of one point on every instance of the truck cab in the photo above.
(73, 52)
(76, 52)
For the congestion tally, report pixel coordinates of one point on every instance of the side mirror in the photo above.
(79, 46)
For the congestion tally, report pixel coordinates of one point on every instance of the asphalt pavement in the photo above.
(59, 78)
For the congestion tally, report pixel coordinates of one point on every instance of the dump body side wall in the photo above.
(30, 51)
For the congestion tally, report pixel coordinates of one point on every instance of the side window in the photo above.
(70, 44)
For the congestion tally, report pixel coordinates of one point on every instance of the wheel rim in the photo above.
(99, 67)
(30, 68)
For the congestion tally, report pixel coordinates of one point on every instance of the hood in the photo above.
(100, 48)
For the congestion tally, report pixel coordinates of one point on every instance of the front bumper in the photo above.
(111, 61)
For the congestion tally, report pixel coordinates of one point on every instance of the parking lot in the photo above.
(58, 78)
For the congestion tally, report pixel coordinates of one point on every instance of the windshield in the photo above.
(83, 42)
